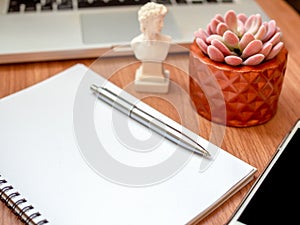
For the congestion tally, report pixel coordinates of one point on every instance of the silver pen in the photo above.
(153, 123)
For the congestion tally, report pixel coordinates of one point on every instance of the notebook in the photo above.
(69, 158)
(86, 31)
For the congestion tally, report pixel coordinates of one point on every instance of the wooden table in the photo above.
(255, 145)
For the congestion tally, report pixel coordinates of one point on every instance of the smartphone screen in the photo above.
(274, 198)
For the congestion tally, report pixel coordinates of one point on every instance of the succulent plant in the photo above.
(236, 39)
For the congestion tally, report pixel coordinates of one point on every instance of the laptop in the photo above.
(38, 30)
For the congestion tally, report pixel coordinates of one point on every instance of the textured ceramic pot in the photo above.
(238, 96)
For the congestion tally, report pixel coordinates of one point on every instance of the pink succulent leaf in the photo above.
(202, 45)
(212, 37)
(208, 31)
(253, 23)
(278, 29)
(262, 31)
(271, 30)
(233, 60)
(221, 46)
(215, 54)
(266, 49)
(240, 28)
(254, 60)
(275, 39)
(246, 39)
(231, 39)
(220, 18)
(213, 25)
(221, 28)
(231, 20)
(242, 17)
(197, 33)
(201, 34)
(275, 51)
(252, 48)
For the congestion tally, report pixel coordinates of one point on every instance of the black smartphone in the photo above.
(274, 197)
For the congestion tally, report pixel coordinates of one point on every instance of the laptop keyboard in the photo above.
(16, 6)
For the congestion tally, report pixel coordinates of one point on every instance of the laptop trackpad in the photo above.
(119, 27)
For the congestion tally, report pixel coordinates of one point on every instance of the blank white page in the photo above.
(50, 153)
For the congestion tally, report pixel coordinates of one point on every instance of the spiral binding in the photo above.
(19, 205)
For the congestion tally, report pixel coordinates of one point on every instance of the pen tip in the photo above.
(203, 152)
(207, 154)
(94, 87)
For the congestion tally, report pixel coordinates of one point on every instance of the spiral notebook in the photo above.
(63, 160)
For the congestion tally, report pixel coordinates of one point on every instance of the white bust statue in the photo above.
(151, 48)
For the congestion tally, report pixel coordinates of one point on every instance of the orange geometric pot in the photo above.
(238, 96)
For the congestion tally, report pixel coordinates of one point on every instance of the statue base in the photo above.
(151, 83)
